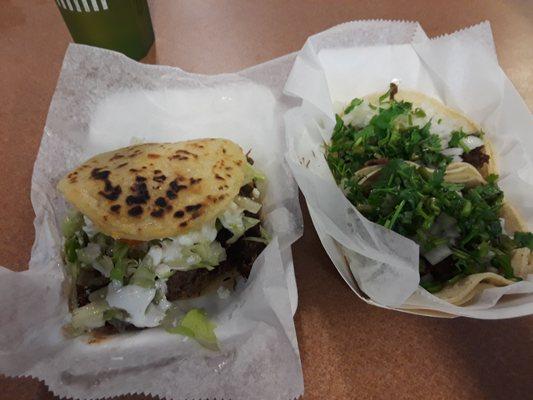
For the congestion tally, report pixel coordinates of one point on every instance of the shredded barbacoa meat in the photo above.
(477, 157)
(240, 255)
(443, 270)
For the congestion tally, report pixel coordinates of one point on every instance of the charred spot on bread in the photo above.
(98, 174)
(193, 207)
(161, 202)
(176, 187)
(157, 213)
(116, 157)
(140, 190)
(135, 211)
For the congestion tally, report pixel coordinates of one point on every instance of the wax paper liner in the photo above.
(104, 100)
(460, 69)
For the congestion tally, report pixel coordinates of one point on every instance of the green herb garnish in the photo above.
(354, 103)
(524, 239)
(389, 134)
(456, 140)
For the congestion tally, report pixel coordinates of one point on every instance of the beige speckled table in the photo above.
(349, 350)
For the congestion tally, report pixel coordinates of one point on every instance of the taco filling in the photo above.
(156, 223)
(425, 184)
(408, 126)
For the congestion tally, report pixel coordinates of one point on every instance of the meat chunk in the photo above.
(443, 270)
(243, 253)
(477, 157)
(188, 284)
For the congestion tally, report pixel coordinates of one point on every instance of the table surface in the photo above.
(348, 348)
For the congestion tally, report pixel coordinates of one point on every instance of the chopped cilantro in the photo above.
(457, 140)
(389, 134)
(418, 112)
(413, 200)
(354, 103)
(409, 199)
(524, 239)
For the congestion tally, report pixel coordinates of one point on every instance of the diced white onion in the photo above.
(472, 142)
(443, 223)
(437, 254)
(456, 159)
(452, 151)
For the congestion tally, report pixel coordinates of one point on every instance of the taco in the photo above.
(395, 174)
(154, 223)
(410, 126)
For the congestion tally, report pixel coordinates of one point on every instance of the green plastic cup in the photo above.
(121, 25)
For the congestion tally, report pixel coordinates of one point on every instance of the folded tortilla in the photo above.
(467, 288)
(156, 190)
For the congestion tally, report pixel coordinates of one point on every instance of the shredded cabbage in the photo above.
(89, 254)
(134, 300)
(238, 228)
(197, 249)
(72, 224)
(265, 237)
(89, 316)
(99, 294)
(234, 220)
(88, 227)
(143, 277)
(163, 271)
(120, 251)
(196, 325)
(248, 204)
(252, 174)
(104, 265)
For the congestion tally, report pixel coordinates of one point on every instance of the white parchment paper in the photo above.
(461, 70)
(102, 101)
